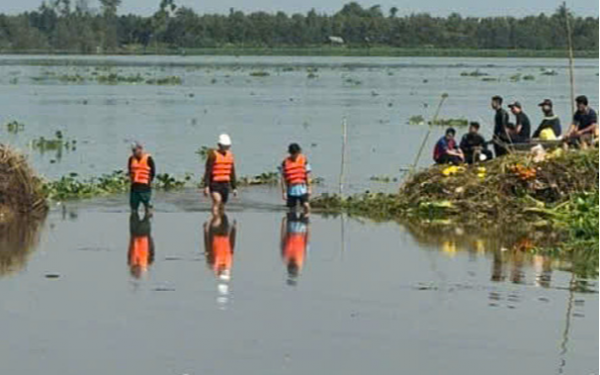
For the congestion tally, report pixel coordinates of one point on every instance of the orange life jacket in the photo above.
(295, 249)
(295, 171)
(222, 167)
(140, 252)
(223, 256)
(140, 170)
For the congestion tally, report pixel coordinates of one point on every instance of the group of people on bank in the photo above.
(473, 147)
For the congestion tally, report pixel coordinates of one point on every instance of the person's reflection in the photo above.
(219, 244)
(141, 245)
(295, 236)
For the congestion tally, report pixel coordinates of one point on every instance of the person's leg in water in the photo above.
(218, 206)
(134, 202)
(305, 200)
(146, 199)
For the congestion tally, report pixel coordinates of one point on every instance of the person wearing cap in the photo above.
(141, 170)
(550, 127)
(522, 131)
(446, 151)
(501, 119)
(295, 179)
(585, 123)
(474, 146)
(219, 176)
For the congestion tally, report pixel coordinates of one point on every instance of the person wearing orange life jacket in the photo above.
(295, 179)
(141, 169)
(220, 176)
(140, 255)
(295, 236)
(219, 245)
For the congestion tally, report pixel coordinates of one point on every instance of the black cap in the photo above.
(547, 102)
(515, 104)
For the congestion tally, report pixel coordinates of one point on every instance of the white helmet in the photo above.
(224, 140)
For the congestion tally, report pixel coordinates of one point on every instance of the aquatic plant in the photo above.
(203, 152)
(312, 75)
(15, 127)
(475, 73)
(529, 77)
(165, 81)
(450, 122)
(57, 143)
(259, 73)
(71, 187)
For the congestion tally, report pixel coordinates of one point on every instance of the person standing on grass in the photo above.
(141, 170)
(500, 126)
(584, 125)
(522, 132)
(295, 179)
(219, 177)
(446, 151)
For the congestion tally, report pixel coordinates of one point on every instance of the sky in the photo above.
(478, 8)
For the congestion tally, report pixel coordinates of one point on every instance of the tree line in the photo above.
(72, 25)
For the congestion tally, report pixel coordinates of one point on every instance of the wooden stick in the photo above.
(435, 118)
(571, 57)
(343, 166)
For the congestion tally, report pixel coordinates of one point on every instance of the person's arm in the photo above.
(129, 171)
(233, 179)
(152, 168)
(284, 187)
(308, 178)
(210, 162)
(557, 127)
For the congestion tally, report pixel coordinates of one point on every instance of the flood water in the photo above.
(328, 295)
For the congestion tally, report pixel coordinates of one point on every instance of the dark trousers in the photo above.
(449, 159)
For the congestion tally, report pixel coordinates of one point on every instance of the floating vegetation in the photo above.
(475, 73)
(384, 179)
(259, 73)
(165, 81)
(450, 122)
(312, 75)
(490, 79)
(548, 72)
(71, 78)
(114, 78)
(72, 188)
(417, 120)
(203, 152)
(15, 127)
(288, 69)
(353, 81)
(267, 178)
(516, 77)
(529, 77)
(57, 143)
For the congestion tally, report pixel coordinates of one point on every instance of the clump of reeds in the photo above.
(21, 191)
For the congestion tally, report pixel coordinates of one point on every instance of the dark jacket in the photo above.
(552, 122)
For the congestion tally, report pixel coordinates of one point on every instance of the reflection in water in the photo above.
(512, 258)
(219, 245)
(295, 235)
(18, 239)
(141, 245)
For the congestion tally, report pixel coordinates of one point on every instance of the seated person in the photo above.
(521, 133)
(446, 152)
(550, 128)
(474, 146)
(585, 123)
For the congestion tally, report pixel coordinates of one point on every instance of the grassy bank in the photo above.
(558, 195)
(328, 51)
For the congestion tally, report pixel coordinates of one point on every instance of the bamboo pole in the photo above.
(435, 118)
(571, 57)
(343, 163)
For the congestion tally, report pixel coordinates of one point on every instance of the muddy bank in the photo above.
(557, 195)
